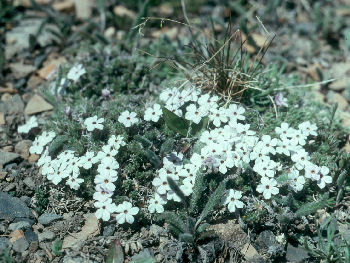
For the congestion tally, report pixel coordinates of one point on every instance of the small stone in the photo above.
(108, 230)
(48, 218)
(47, 235)
(296, 254)
(4, 243)
(333, 97)
(20, 245)
(26, 199)
(28, 181)
(14, 105)
(12, 207)
(267, 240)
(249, 252)
(37, 104)
(31, 236)
(8, 148)
(109, 32)
(15, 235)
(22, 148)
(33, 158)
(2, 118)
(6, 96)
(7, 157)
(22, 225)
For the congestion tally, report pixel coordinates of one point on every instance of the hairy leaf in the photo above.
(173, 186)
(186, 237)
(153, 158)
(176, 123)
(312, 207)
(115, 253)
(197, 190)
(174, 220)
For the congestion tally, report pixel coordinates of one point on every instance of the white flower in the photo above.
(269, 144)
(298, 138)
(108, 151)
(128, 118)
(47, 137)
(105, 209)
(37, 146)
(312, 171)
(324, 177)
(268, 187)
(76, 72)
(106, 181)
(218, 116)
(232, 200)
(194, 114)
(116, 141)
(167, 94)
(225, 163)
(244, 129)
(44, 159)
(108, 166)
(171, 195)
(126, 213)
(235, 113)
(161, 184)
(297, 181)
(93, 123)
(208, 102)
(74, 182)
(156, 204)
(308, 129)
(30, 124)
(300, 158)
(153, 114)
(101, 193)
(284, 130)
(284, 146)
(187, 187)
(65, 155)
(265, 168)
(88, 160)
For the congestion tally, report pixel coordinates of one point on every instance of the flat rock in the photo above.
(296, 254)
(14, 105)
(37, 104)
(12, 207)
(232, 233)
(91, 228)
(28, 181)
(21, 225)
(20, 245)
(7, 157)
(48, 218)
(334, 97)
(47, 235)
(21, 70)
(22, 148)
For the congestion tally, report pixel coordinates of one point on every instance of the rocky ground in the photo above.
(39, 223)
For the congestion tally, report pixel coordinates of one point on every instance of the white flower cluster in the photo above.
(30, 124)
(231, 144)
(67, 166)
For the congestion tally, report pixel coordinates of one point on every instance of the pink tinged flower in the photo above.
(105, 209)
(268, 187)
(106, 181)
(280, 100)
(101, 193)
(105, 93)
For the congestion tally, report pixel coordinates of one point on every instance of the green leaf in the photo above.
(175, 122)
(213, 201)
(341, 178)
(153, 158)
(197, 190)
(174, 220)
(115, 253)
(312, 207)
(57, 144)
(196, 129)
(186, 237)
(283, 178)
(173, 186)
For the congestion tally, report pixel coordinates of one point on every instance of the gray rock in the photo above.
(4, 243)
(14, 105)
(12, 207)
(108, 230)
(47, 235)
(31, 236)
(26, 199)
(267, 240)
(20, 245)
(48, 218)
(28, 181)
(22, 225)
(296, 254)
(6, 157)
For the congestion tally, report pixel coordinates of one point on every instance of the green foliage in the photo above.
(115, 253)
(334, 247)
(5, 256)
(56, 247)
(312, 207)
(42, 200)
